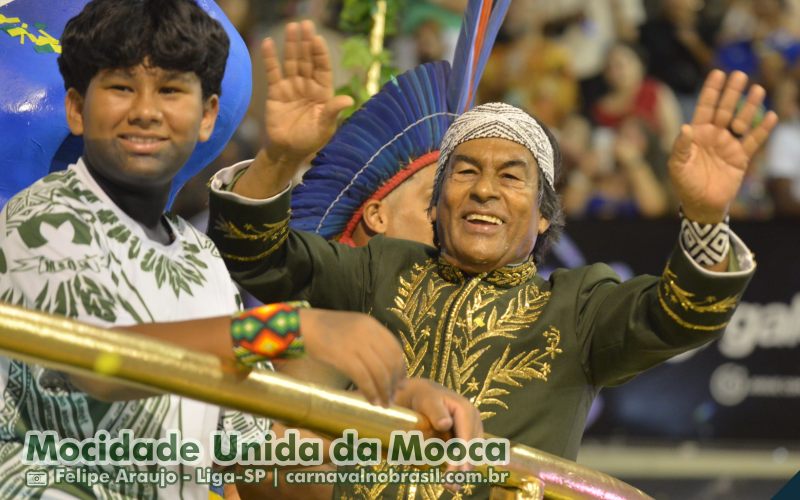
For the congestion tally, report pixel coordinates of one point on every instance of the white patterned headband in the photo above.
(497, 120)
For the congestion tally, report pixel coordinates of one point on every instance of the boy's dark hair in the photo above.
(175, 35)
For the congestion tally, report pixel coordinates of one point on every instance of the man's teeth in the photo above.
(491, 219)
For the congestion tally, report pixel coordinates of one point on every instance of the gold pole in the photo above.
(530, 489)
(70, 346)
(132, 359)
(376, 47)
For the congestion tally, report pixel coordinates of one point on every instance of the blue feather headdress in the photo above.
(396, 133)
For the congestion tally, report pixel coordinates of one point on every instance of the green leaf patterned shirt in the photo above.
(66, 248)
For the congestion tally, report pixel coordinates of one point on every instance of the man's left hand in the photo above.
(447, 411)
(711, 155)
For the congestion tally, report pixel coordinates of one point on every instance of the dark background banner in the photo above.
(743, 387)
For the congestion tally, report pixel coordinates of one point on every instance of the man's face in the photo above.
(488, 213)
(141, 124)
(408, 207)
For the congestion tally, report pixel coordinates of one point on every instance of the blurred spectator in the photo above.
(554, 57)
(239, 13)
(530, 70)
(429, 41)
(786, 98)
(614, 177)
(783, 153)
(751, 19)
(325, 15)
(429, 32)
(632, 95)
(679, 48)
(765, 44)
(587, 29)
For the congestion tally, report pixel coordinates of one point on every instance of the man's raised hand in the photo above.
(301, 108)
(711, 155)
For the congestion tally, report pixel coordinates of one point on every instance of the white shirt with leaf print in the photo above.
(66, 248)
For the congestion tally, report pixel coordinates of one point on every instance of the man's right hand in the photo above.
(357, 346)
(301, 110)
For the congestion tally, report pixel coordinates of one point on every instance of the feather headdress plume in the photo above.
(396, 133)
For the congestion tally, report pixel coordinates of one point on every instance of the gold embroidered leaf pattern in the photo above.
(479, 323)
(274, 234)
(466, 368)
(431, 491)
(415, 303)
(520, 313)
(522, 367)
(457, 322)
(415, 354)
(687, 300)
(269, 232)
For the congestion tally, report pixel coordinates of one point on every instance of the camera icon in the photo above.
(36, 478)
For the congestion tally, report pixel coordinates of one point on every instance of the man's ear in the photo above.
(375, 216)
(73, 103)
(210, 113)
(544, 225)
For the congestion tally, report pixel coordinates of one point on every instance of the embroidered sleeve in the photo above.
(247, 232)
(276, 263)
(625, 328)
(701, 300)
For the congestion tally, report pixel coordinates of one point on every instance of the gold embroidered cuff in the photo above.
(698, 301)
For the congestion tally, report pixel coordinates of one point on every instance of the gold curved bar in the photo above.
(74, 347)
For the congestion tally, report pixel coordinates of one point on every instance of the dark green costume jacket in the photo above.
(530, 353)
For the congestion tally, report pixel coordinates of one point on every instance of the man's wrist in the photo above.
(281, 160)
(703, 216)
(265, 176)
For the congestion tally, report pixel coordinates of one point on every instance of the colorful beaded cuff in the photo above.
(271, 331)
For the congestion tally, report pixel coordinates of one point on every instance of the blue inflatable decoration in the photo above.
(34, 138)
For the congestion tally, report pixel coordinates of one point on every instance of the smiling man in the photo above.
(471, 312)
(489, 214)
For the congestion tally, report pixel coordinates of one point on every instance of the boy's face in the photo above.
(141, 124)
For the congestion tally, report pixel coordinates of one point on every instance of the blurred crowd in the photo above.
(614, 79)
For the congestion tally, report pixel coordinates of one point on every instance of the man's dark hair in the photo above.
(549, 202)
(174, 35)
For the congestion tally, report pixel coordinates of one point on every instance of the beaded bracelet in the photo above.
(271, 331)
(707, 244)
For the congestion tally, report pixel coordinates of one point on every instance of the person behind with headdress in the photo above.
(375, 175)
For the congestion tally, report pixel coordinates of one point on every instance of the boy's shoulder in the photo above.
(57, 192)
(56, 212)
